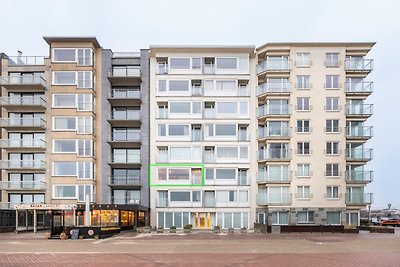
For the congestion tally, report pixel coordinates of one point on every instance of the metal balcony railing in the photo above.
(359, 176)
(23, 122)
(26, 60)
(274, 88)
(22, 164)
(23, 185)
(125, 180)
(359, 198)
(359, 154)
(359, 131)
(22, 80)
(124, 71)
(23, 101)
(359, 87)
(275, 65)
(363, 110)
(274, 177)
(22, 143)
(363, 65)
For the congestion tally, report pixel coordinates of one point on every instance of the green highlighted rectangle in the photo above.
(169, 165)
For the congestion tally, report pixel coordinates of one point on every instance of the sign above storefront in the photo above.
(44, 207)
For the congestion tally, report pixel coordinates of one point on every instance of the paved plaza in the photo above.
(204, 249)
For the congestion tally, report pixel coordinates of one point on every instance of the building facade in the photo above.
(201, 135)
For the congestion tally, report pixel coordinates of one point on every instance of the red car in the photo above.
(390, 222)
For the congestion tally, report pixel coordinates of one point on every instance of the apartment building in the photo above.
(312, 132)
(202, 136)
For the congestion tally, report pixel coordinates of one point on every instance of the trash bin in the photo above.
(74, 234)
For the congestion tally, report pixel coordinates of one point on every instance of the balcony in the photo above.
(359, 132)
(274, 177)
(23, 123)
(26, 61)
(23, 143)
(362, 110)
(274, 133)
(124, 75)
(208, 68)
(361, 88)
(125, 181)
(124, 97)
(273, 111)
(130, 139)
(161, 203)
(23, 164)
(23, 103)
(197, 90)
(23, 83)
(23, 185)
(122, 161)
(274, 88)
(272, 199)
(359, 177)
(273, 65)
(359, 199)
(359, 65)
(359, 154)
(127, 119)
(274, 155)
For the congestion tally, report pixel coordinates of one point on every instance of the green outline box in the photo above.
(177, 165)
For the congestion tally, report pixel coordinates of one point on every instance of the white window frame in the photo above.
(224, 69)
(76, 82)
(57, 185)
(76, 60)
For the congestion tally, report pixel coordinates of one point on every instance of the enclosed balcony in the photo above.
(26, 144)
(359, 110)
(359, 132)
(359, 177)
(274, 132)
(23, 164)
(23, 123)
(274, 88)
(124, 96)
(124, 75)
(359, 199)
(359, 64)
(125, 181)
(274, 154)
(25, 103)
(274, 64)
(27, 83)
(359, 154)
(23, 185)
(273, 111)
(274, 177)
(274, 199)
(362, 88)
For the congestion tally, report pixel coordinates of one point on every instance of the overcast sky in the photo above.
(132, 24)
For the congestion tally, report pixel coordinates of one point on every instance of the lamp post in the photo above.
(369, 214)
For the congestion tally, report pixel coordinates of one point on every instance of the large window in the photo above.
(178, 130)
(180, 196)
(280, 218)
(83, 125)
(180, 107)
(225, 129)
(179, 63)
(332, 192)
(64, 191)
(232, 220)
(225, 174)
(227, 63)
(333, 217)
(81, 169)
(82, 79)
(123, 155)
(305, 217)
(332, 60)
(81, 56)
(83, 148)
(64, 101)
(179, 86)
(227, 107)
(178, 174)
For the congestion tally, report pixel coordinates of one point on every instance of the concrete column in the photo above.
(16, 221)
(34, 221)
(26, 219)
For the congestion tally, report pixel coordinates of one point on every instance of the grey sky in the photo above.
(128, 25)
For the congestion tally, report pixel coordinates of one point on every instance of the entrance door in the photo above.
(203, 220)
(57, 224)
(261, 218)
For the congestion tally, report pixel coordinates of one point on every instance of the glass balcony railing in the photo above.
(125, 200)
(359, 176)
(161, 203)
(274, 177)
(278, 132)
(23, 101)
(359, 131)
(273, 88)
(124, 94)
(22, 143)
(162, 68)
(359, 198)
(364, 110)
(359, 64)
(267, 110)
(359, 154)
(274, 154)
(197, 90)
(359, 87)
(22, 164)
(126, 137)
(23, 185)
(23, 122)
(124, 71)
(125, 180)
(23, 80)
(274, 199)
(275, 65)
(123, 159)
(26, 60)
(133, 115)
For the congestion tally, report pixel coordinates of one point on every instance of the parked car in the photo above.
(390, 222)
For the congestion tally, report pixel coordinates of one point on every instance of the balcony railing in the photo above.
(126, 137)
(125, 180)
(364, 110)
(274, 177)
(23, 122)
(359, 154)
(266, 110)
(275, 65)
(26, 60)
(359, 87)
(208, 68)
(363, 65)
(274, 88)
(197, 90)
(274, 154)
(133, 115)
(282, 132)
(22, 80)
(359, 131)
(272, 199)
(161, 203)
(122, 159)
(359, 198)
(162, 68)
(23, 185)
(124, 71)
(23, 101)
(125, 200)
(22, 143)
(359, 176)
(22, 164)
(124, 94)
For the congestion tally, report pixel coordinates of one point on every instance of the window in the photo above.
(303, 104)
(64, 55)
(303, 60)
(226, 196)
(225, 130)
(180, 153)
(84, 190)
(85, 148)
(332, 103)
(332, 192)
(227, 63)
(64, 78)
(64, 123)
(332, 60)
(333, 217)
(64, 168)
(180, 107)
(227, 174)
(332, 81)
(303, 126)
(179, 63)
(85, 79)
(303, 148)
(64, 191)
(178, 130)
(225, 85)
(64, 101)
(243, 196)
(162, 130)
(332, 169)
(85, 56)
(305, 217)
(178, 174)
(196, 196)
(332, 126)
(64, 146)
(303, 191)
(180, 196)
(332, 148)
(227, 152)
(129, 155)
(179, 86)
(303, 170)
(280, 218)
(85, 125)
(227, 107)
(303, 82)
